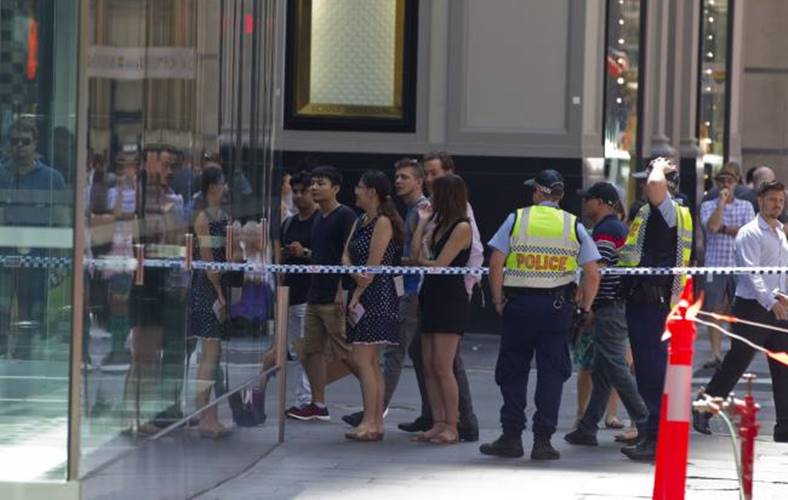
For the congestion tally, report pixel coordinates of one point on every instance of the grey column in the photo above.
(655, 80)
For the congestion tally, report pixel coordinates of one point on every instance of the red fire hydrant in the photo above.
(747, 411)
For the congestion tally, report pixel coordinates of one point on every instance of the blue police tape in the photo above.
(129, 265)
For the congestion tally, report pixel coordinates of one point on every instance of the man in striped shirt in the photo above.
(609, 329)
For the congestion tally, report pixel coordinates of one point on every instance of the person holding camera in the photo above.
(660, 236)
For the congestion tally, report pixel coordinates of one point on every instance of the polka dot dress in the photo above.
(379, 324)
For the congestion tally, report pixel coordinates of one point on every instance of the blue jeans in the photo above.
(610, 370)
(533, 325)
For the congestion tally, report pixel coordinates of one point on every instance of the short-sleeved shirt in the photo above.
(588, 251)
(609, 234)
(294, 229)
(329, 234)
(721, 248)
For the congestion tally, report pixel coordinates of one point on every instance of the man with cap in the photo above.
(540, 248)
(721, 219)
(609, 328)
(660, 236)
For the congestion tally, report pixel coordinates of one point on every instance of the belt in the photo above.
(511, 291)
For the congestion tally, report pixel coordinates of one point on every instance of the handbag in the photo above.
(248, 407)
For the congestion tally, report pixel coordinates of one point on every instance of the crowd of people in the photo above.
(544, 282)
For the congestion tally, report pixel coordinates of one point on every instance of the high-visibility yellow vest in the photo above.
(543, 248)
(632, 252)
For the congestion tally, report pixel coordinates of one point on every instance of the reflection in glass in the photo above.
(712, 122)
(37, 167)
(621, 89)
(180, 171)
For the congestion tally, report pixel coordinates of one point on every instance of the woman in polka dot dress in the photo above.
(376, 239)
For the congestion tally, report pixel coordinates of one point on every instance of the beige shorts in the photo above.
(324, 331)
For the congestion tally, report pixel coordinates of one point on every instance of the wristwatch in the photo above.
(307, 253)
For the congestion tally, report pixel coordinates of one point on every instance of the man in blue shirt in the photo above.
(541, 247)
(32, 198)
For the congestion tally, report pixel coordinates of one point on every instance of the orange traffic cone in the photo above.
(673, 442)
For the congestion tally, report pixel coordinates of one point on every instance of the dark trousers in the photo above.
(646, 323)
(533, 325)
(740, 355)
(610, 370)
(467, 417)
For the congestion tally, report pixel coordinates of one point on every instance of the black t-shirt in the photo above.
(298, 230)
(329, 234)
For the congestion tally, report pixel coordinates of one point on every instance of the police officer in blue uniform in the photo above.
(660, 235)
(541, 249)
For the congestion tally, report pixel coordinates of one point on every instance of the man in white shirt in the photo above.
(438, 165)
(762, 299)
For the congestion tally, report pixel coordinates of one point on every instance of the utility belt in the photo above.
(638, 291)
(561, 295)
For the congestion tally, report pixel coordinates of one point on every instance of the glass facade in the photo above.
(713, 94)
(38, 91)
(622, 76)
(179, 175)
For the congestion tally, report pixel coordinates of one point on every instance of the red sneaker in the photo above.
(309, 412)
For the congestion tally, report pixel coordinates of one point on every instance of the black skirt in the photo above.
(443, 305)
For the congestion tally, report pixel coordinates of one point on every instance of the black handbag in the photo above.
(248, 407)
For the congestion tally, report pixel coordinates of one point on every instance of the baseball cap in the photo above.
(602, 190)
(730, 169)
(546, 181)
(670, 176)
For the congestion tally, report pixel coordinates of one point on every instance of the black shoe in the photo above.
(645, 451)
(543, 450)
(353, 419)
(581, 438)
(421, 424)
(468, 434)
(700, 422)
(167, 417)
(504, 446)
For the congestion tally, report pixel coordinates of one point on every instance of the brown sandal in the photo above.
(364, 436)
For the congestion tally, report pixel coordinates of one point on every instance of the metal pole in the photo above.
(282, 301)
(78, 295)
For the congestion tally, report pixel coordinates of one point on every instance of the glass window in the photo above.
(712, 119)
(347, 72)
(621, 91)
(38, 82)
(179, 130)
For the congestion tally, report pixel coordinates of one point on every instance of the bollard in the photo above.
(670, 475)
(748, 431)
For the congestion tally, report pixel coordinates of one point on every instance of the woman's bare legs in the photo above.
(365, 359)
(209, 418)
(432, 385)
(444, 349)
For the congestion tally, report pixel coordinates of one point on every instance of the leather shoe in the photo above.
(781, 437)
(645, 451)
(581, 438)
(504, 446)
(421, 424)
(468, 434)
(700, 422)
(543, 450)
(353, 419)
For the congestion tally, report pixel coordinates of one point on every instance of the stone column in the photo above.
(656, 44)
(682, 111)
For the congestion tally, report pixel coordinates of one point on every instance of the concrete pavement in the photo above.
(317, 462)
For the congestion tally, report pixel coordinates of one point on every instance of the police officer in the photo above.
(541, 248)
(660, 236)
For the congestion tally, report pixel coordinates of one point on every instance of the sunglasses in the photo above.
(23, 141)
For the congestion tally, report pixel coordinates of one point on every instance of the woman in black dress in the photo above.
(376, 239)
(208, 306)
(443, 301)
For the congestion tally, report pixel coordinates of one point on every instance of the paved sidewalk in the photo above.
(316, 462)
